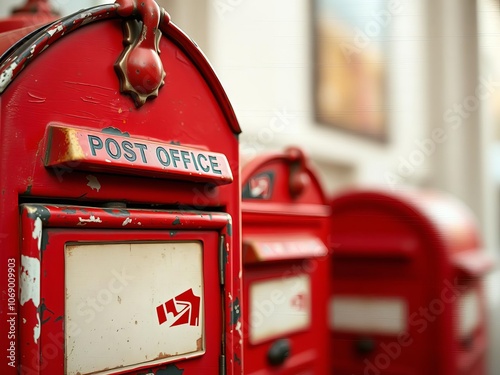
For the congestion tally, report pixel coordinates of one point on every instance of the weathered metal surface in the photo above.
(56, 75)
(104, 152)
(19, 55)
(102, 297)
(116, 307)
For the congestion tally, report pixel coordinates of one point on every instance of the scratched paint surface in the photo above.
(143, 304)
(47, 80)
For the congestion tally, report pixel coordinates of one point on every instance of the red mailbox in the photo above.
(285, 224)
(120, 201)
(33, 13)
(407, 295)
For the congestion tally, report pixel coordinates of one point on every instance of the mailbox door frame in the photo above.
(48, 227)
(308, 221)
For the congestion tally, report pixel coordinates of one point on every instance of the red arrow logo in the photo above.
(299, 302)
(260, 187)
(185, 309)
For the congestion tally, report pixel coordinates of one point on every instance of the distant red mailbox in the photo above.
(32, 14)
(120, 201)
(285, 223)
(407, 295)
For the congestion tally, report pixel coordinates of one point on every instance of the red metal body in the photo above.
(407, 295)
(285, 261)
(120, 214)
(33, 13)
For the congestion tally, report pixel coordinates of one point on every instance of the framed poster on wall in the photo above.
(350, 39)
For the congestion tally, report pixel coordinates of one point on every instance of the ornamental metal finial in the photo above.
(139, 67)
(299, 178)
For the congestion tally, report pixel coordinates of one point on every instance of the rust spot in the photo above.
(117, 212)
(235, 311)
(237, 359)
(42, 309)
(41, 212)
(199, 344)
(28, 190)
(73, 150)
(162, 355)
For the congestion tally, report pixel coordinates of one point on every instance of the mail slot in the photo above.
(285, 223)
(407, 285)
(120, 201)
(32, 14)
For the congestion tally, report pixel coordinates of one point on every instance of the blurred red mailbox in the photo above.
(33, 13)
(120, 201)
(407, 295)
(285, 224)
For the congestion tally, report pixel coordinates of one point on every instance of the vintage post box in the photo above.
(32, 13)
(284, 226)
(120, 201)
(407, 295)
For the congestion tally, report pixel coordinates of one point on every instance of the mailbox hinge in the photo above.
(222, 259)
(222, 365)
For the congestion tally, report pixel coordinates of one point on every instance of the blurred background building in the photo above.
(379, 93)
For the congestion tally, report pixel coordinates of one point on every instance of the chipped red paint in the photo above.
(63, 224)
(13, 63)
(59, 216)
(54, 75)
